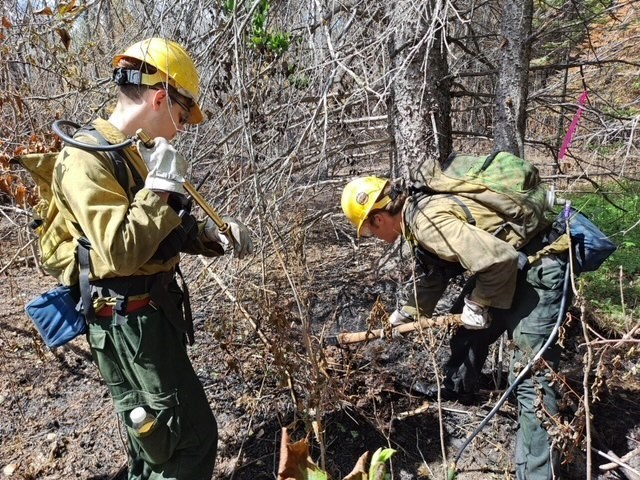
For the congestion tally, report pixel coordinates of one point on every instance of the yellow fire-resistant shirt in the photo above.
(124, 230)
(438, 224)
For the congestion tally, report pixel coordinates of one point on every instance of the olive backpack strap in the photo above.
(120, 165)
(119, 160)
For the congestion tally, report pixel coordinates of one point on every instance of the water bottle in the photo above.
(141, 420)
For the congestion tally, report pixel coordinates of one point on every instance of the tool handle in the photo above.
(440, 321)
(213, 215)
(191, 190)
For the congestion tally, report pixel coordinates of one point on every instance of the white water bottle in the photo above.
(141, 420)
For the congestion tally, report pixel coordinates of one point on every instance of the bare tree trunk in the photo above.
(512, 87)
(420, 103)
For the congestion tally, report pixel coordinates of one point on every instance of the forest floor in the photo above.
(57, 419)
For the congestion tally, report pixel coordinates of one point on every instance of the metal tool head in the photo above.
(144, 138)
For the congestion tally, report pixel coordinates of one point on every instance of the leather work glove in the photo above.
(242, 244)
(474, 315)
(398, 317)
(167, 167)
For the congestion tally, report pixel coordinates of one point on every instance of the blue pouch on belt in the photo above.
(57, 314)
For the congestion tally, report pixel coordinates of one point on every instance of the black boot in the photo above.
(446, 395)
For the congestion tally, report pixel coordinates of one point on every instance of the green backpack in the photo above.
(503, 182)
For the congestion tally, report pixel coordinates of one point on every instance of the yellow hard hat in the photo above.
(174, 65)
(360, 197)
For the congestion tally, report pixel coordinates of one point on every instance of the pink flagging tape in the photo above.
(572, 127)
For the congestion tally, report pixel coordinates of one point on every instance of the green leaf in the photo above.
(317, 474)
(377, 467)
(382, 455)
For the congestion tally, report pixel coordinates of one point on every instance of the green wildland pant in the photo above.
(529, 322)
(531, 319)
(142, 358)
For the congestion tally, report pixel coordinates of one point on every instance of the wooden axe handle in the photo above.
(440, 321)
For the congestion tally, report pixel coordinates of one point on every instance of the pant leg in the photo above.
(536, 308)
(533, 394)
(469, 350)
(144, 362)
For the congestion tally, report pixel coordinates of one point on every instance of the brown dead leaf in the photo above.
(64, 36)
(295, 463)
(44, 11)
(6, 23)
(20, 194)
(66, 7)
(359, 472)
(292, 455)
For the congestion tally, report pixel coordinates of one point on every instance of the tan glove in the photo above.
(474, 315)
(167, 167)
(242, 243)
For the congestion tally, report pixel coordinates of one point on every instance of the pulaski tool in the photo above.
(347, 338)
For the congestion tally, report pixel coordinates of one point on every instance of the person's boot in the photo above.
(446, 395)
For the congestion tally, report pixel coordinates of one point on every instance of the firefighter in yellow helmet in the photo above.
(127, 216)
(450, 234)
(166, 67)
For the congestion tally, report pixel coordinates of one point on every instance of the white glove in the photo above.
(167, 167)
(475, 316)
(399, 317)
(242, 244)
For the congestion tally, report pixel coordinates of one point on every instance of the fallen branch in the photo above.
(233, 299)
(629, 471)
(22, 249)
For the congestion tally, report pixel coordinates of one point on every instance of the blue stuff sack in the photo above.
(57, 314)
(591, 247)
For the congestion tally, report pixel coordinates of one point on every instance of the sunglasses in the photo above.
(185, 105)
(186, 110)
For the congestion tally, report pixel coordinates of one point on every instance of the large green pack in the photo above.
(503, 182)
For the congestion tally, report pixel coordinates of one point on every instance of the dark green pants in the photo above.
(529, 322)
(143, 360)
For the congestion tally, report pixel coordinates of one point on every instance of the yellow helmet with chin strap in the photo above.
(174, 67)
(360, 197)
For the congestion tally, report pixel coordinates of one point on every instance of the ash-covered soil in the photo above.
(265, 366)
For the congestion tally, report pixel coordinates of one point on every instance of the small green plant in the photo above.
(273, 44)
(300, 82)
(229, 6)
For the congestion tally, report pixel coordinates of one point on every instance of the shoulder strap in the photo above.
(417, 190)
(488, 160)
(120, 164)
(119, 160)
(465, 209)
(84, 263)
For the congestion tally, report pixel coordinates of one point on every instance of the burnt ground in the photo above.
(57, 420)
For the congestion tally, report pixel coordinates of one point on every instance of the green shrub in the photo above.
(614, 289)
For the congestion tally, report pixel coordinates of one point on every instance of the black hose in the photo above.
(57, 128)
(526, 369)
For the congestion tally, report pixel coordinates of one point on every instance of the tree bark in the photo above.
(512, 87)
(420, 102)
